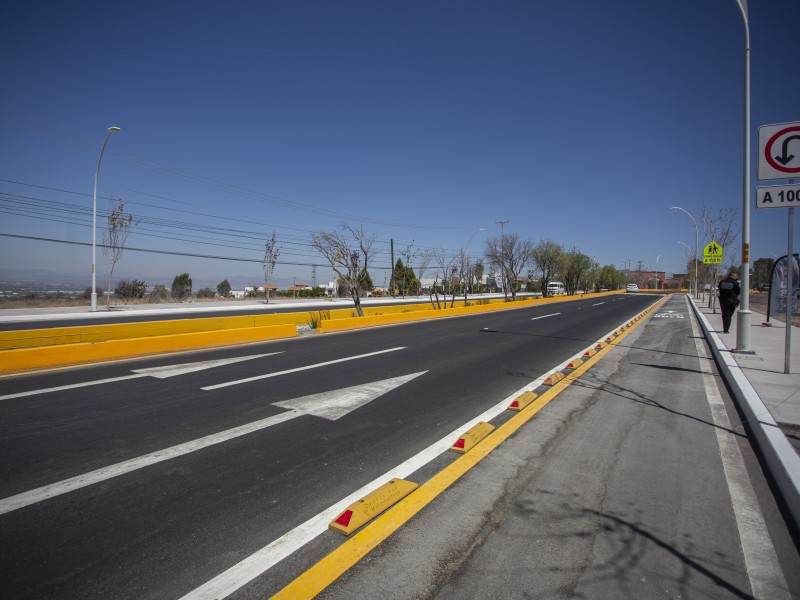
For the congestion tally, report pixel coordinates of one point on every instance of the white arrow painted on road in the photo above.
(332, 405)
(158, 372)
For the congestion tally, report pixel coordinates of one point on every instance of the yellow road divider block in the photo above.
(370, 506)
(522, 401)
(467, 441)
(590, 352)
(600, 345)
(574, 363)
(554, 378)
(610, 338)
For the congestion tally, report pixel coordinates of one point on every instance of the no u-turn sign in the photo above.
(779, 151)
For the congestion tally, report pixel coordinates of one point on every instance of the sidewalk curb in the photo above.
(782, 459)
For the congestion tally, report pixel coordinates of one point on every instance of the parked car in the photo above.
(632, 287)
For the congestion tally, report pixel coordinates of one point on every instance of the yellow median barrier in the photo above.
(24, 359)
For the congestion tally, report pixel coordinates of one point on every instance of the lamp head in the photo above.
(113, 129)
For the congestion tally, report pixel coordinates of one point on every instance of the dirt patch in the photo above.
(792, 433)
(758, 303)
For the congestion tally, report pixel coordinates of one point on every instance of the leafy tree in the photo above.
(181, 286)
(131, 289)
(575, 267)
(610, 278)
(404, 279)
(206, 293)
(762, 269)
(547, 255)
(348, 253)
(115, 235)
(224, 288)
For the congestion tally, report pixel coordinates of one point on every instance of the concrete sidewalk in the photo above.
(764, 369)
(768, 398)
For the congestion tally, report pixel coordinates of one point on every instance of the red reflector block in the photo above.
(590, 352)
(554, 378)
(370, 506)
(467, 441)
(574, 363)
(600, 346)
(522, 401)
(344, 518)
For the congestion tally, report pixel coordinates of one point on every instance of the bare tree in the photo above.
(348, 252)
(722, 229)
(446, 269)
(118, 226)
(547, 255)
(511, 255)
(271, 254)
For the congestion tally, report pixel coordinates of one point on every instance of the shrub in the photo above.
(131, 290)
(159, 292)
(206, 293)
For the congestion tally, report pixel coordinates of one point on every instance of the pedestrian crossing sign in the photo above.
(712, 254)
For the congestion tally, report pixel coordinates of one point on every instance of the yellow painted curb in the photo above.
(320, 575)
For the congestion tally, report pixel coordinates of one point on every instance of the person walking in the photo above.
(728, 293)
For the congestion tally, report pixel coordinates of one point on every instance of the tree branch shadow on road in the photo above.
(628, 544)
(604, 385)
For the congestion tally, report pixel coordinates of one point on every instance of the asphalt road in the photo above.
(132, 480)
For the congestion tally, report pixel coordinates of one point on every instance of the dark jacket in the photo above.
(729, 290)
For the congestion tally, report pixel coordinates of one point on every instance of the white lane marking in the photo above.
(73, 386)
(331, 406)
(298, 369)
(545, 316)
(598, 304)
(158, 372)
(258, 563)
(760, 559)
(175, 370)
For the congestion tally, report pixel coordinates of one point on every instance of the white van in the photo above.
(556, 288)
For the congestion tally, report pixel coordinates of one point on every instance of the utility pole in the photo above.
(391, 281)
(503, 254)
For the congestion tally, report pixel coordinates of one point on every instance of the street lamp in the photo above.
(94, 220)
(689, 250)
(696, 244)
(744, 314)
(466, 246)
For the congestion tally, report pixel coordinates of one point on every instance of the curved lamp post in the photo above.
(94, 220)
(696, 244)
(466, 246)
(689, 250)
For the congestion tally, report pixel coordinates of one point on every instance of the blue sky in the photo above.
(582, 122)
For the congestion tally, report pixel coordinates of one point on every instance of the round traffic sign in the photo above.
(777, 151)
